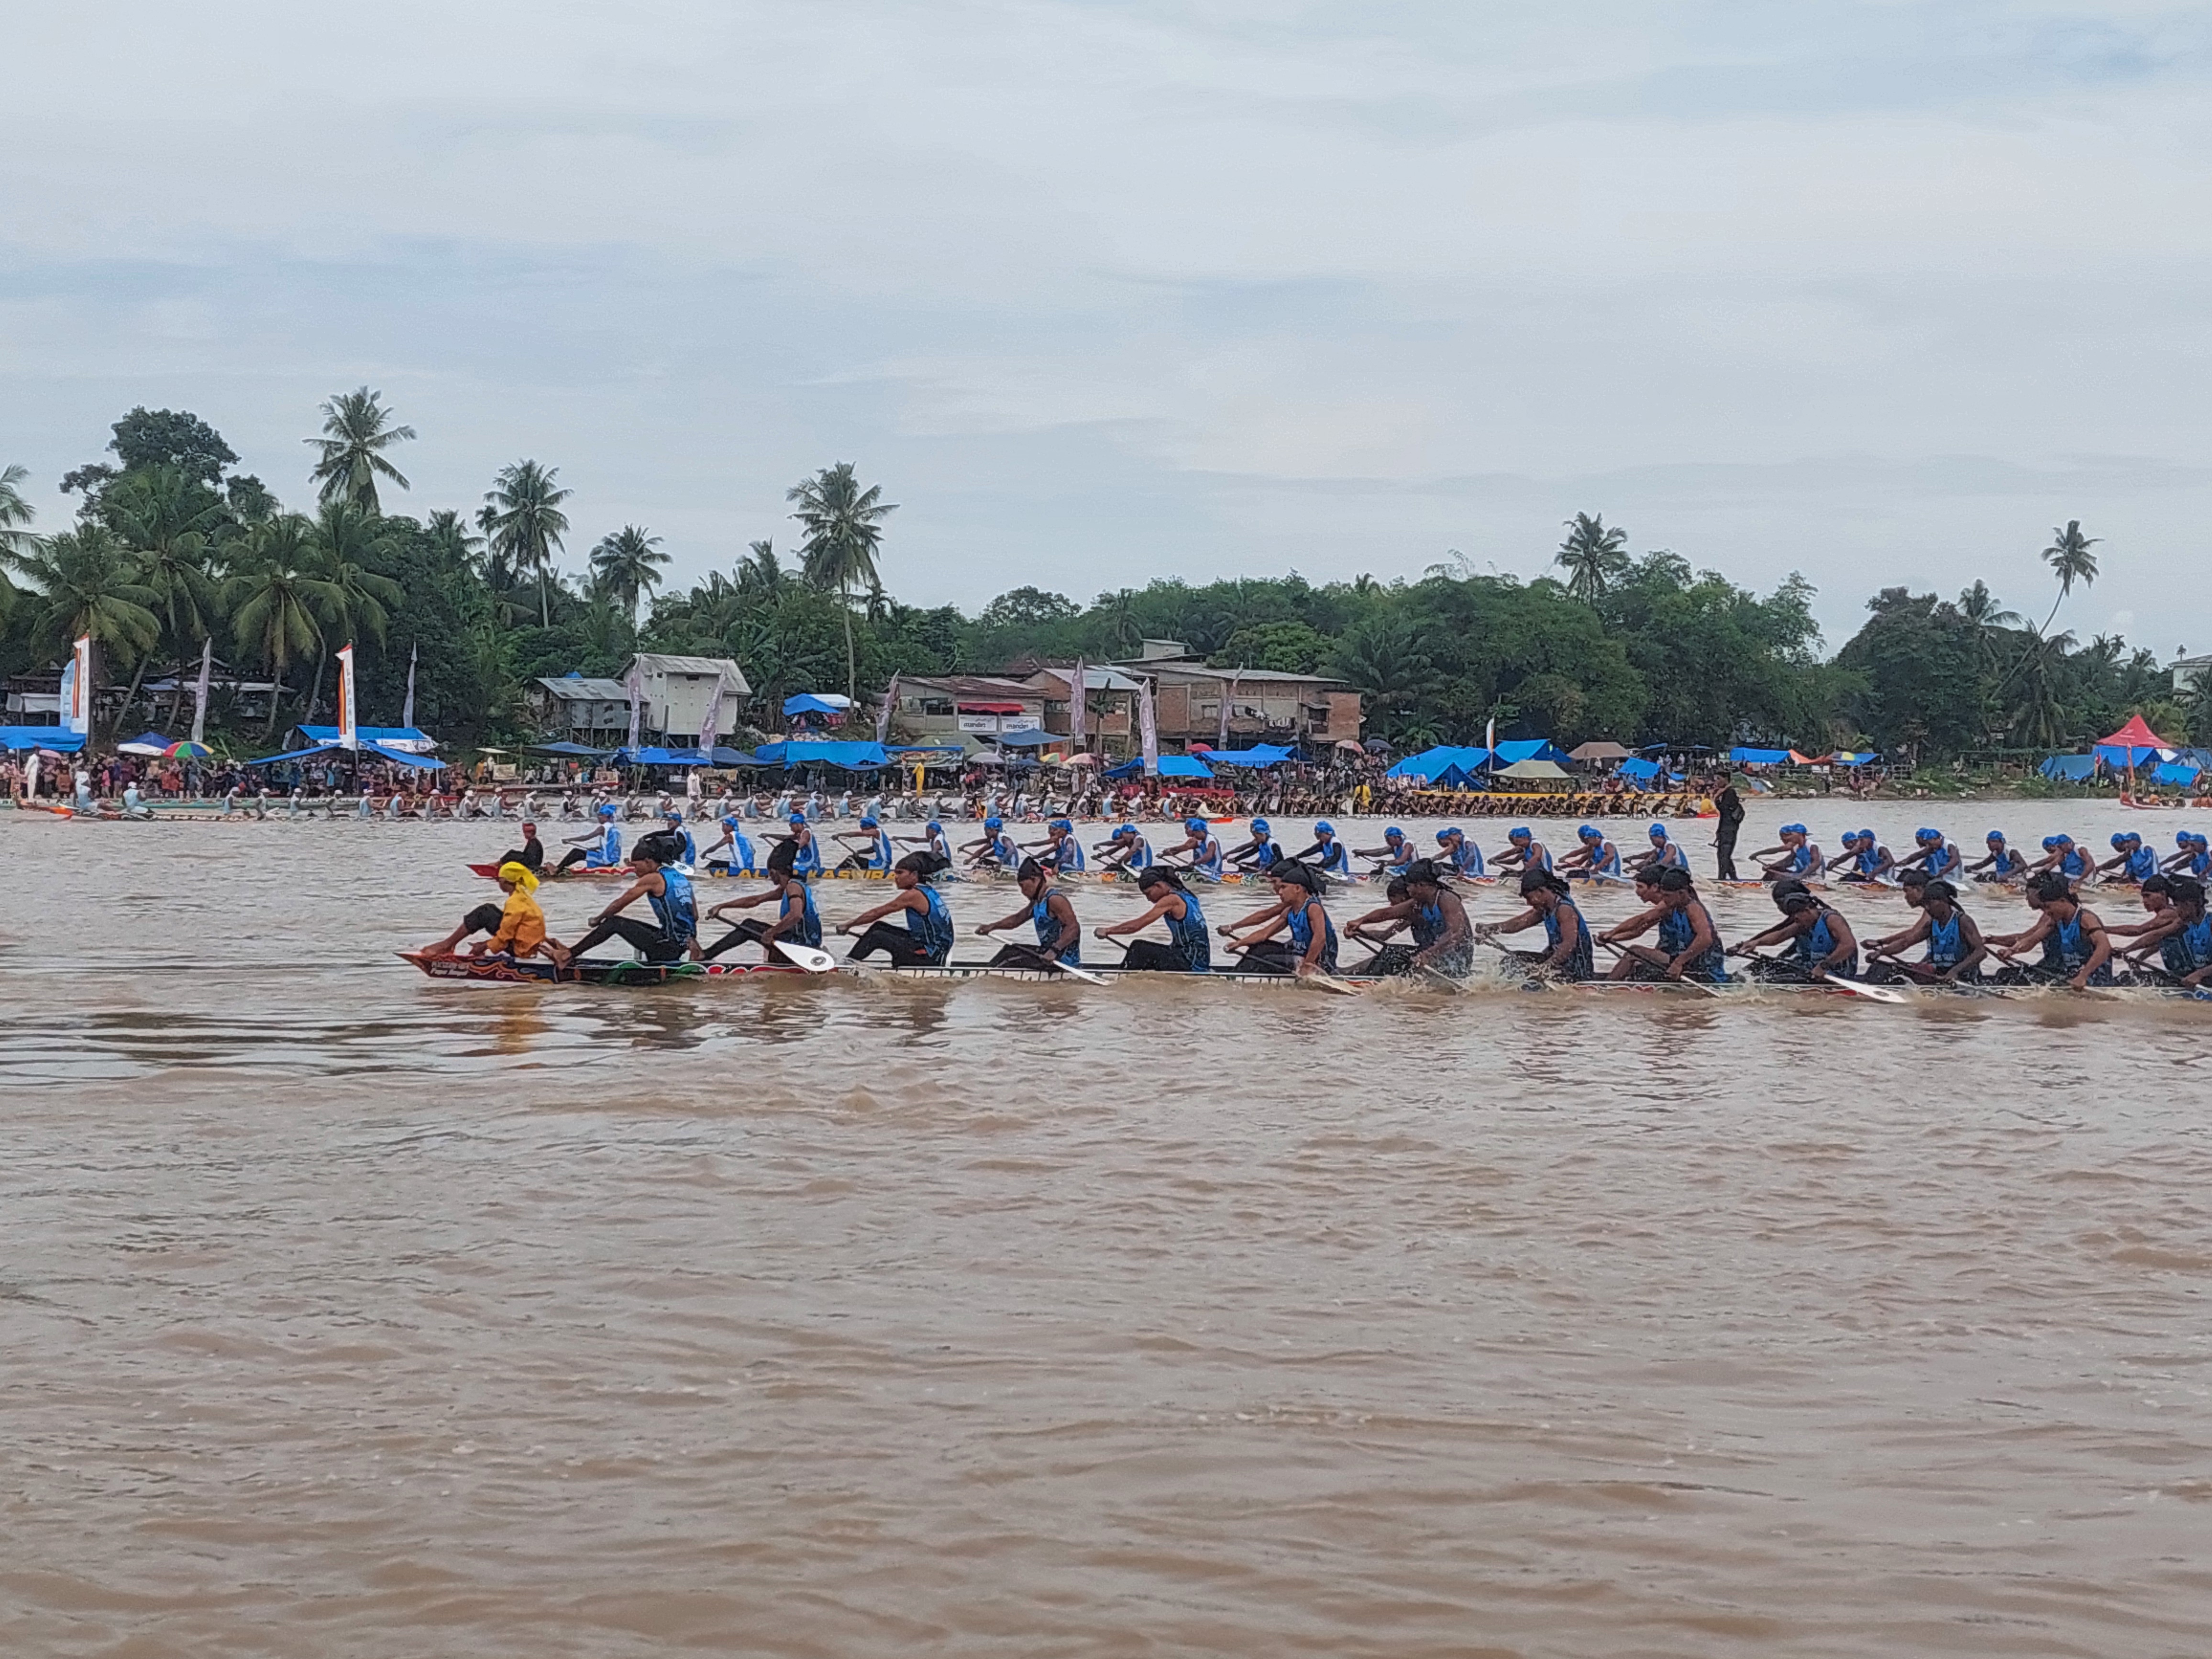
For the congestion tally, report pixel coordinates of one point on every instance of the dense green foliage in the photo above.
(170, 547)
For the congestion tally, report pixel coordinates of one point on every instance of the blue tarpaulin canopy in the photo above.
(1432, 764)
(327, 734)
(806, 702)
(802, 752)
(1259, 757)
(1513, 751)
(2069, 769)
(1743, 757)
(2183, 772)
(59, 738)
(575, 750)
(1639, 769)
(327, 751)
(1172, 766)
(1030, 738)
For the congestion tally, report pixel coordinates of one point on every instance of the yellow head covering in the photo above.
(520, 874)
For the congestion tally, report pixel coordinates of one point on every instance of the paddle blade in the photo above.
(806, 957)
(1871, 992)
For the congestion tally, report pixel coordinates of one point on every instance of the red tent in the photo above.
(2134, 735)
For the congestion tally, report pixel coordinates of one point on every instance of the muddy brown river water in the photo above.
(342, 1312)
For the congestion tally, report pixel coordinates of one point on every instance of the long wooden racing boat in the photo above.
(623, 872)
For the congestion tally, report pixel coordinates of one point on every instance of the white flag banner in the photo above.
(1227, 694)
(407, 708)
(76, 688)
(349, 715)
(200, 691)
(884, 714)
(635, 684)
(711, 727)
(1149, 725)
(1078, 707)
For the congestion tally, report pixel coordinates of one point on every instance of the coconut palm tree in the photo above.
(276, 598)
(345, 547)
(2038, 711)
(523, 518)
(1118, 610)
(84, 581)
(15, 514)
(1592, 556)
(453, 540)
(761, 577)
(171, 521)
(356, 431)
(844, 533)
(2070, 560)
(626, 564)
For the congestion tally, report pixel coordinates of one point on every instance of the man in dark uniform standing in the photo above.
(1730, 805)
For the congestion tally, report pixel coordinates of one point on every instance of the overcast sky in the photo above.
(1103, 292)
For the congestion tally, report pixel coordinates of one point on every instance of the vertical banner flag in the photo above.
(1078, 707)
(76, 692)
(710, 727)
(200, 691)
(1149, 724)
(635, 684)
(1228, 692)
(407, 708)
(884, 714)
(349, 717)
(1490, 742)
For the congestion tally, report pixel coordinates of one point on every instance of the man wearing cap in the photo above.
(672, 823)
(672, 933)
(996, 850)
(741, 848)
(1863, 858)
(595, 849)
(1523, 852)
(1060, 851)
(1665, 855)
(1395, 852)
(1327, 854)
(1257, 853)
(2132, 860)
(1462, 855)
(1798, 856)
(1204, 847)
(871, 846)
(1595, 858)
(1127, 850)
(805, 855)
(2000, 863)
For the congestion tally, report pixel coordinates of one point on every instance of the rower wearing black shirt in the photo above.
(530, 854)
(1730, 805)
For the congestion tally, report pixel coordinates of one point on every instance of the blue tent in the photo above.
(575, 750)
(59, 738)
(1030, 738)
(805, 702)
(802, 752)
(1433, 764)
(1259, 757)
(2181, 772)
(1743, 757)
(2069, 769)
(1639, 769)
(1513, 751)
(1172, 766)
(327, 751)
(328, 734)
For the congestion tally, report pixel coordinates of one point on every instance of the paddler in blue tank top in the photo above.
(796, 921)
(1204, 847)
(1798, 857)
(672, 821)
(2080, 951)
(1254, 856)
(1189, 947)
(1819, 941)
(734, 838)
(871, 845)
(1933, 852)
(1394, 854)
(805, 855)
(1955, 946)
(2131, 859)
(1665, 852)
(2000, 863)
(1595, 858)
(2193, 857)
(1421, 903)
(1566, 954)
(1863, 858)
(996, 850)
(1061, 852)
(1689, 943)
(1461, 856)
(933, 841)
(1310, 943)
(1060, 938)
(1524, 852)
(2181, 935)
(1327, 854)
(672, 933)
(1124, 850)
(925, 939)
(599, 848)
(2061, 855)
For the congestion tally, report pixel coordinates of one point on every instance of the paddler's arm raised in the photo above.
(747, 902)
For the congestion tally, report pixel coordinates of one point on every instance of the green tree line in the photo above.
(170, 547)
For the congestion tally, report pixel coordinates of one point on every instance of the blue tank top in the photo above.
(932, 928)
(609, 851)
(1468, 859)
(1207, 857)
(880, 856)
(1813, 946)
(1047, 928)
(1946, 945)
(2199, 863)
(810, 856)
(1944, 859)
(1869, 860)
(2073, 950)
(741, 851)
(1140, 854)
(1801, 859)
(1002, 848)
(1427, 925)
(1068, 853)
(1578, 964)
(1676, 930)
(1265, 854)
(2006, 863)
(1300, 920)
(690, 849)
(2190, 949)
(674, 906)
(1608, 864)
(1669, 853)
(2073, 864)
(1335, 861)
(1188, 936)
(1540, 857)
(809, 931)
(2141, 865)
